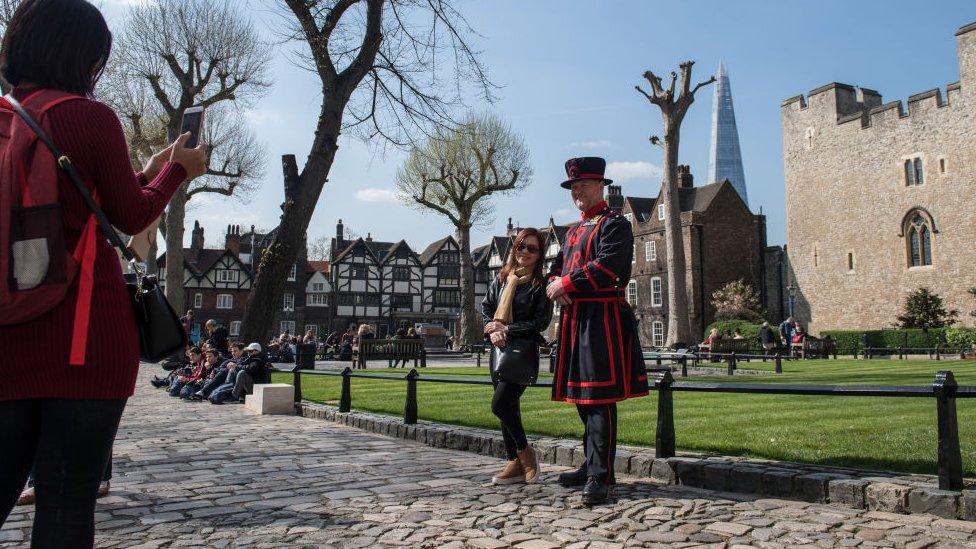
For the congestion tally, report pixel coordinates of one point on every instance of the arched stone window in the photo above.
(917, 228)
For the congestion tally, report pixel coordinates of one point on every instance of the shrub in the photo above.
(925, 309)
(750, 330)
(960, 338)
(737, 301)
(850, 340)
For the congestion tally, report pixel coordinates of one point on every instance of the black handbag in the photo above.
(517, 362)
(160, 330)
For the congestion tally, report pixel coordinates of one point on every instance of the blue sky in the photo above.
(567, 70)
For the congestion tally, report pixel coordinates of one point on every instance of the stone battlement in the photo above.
(843, 103)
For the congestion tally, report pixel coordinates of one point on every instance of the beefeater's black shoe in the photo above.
(596, 491)
(573, 478)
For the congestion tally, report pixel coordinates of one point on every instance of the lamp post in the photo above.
(791, 289)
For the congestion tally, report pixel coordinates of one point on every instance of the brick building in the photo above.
(723, 242)
(879, 198)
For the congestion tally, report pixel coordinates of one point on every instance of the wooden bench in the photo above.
(737, 346)
(814, 348)
(390, 350)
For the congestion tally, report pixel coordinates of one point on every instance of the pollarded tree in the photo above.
(455, 173)
(177, 54)
(391, 72)
(925, 309)
(673, 110)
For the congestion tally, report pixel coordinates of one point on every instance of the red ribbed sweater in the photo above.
(35, 354)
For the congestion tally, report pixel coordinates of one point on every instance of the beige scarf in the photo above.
(516, 278)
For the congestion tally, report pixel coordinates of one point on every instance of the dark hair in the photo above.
(511, 264)
(59, 44)
(196, 350)
(238, 345)
(213, 352)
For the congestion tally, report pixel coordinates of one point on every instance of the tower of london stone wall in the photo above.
(847, 198)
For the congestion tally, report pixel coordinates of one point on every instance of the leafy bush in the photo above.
(737, 301)
(960, 338)
(749, 330)
(926, 309)
(850, 340)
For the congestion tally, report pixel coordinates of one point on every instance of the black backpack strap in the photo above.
(65, 163)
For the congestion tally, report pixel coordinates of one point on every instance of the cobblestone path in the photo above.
(193, 474)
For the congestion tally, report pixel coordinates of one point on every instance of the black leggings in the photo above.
(505, 405)
(69, 443)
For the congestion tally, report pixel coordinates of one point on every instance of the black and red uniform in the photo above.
(599, 360)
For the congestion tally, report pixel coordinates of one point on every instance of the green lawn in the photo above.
(868, 432)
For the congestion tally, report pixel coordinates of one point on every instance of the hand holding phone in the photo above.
(193, 123)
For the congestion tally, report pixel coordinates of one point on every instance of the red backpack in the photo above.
(36, 268)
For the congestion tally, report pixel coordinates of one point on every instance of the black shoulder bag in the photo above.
(160, 330)
(517, 362)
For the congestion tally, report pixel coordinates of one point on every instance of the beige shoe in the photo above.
(26, 497)
(529, 463)
(511, 474)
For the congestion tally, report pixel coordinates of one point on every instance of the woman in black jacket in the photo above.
(516, 308)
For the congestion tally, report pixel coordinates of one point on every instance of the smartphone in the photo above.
(193, 123)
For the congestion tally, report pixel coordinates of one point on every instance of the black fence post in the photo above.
(938, 351)
(664, 437)
(552, 358)
(950, 457)
(410, 406)
(345, 398)
(864, 346)
(730, 362)
(479, 357)
(901, 351)
(779, 363)
(296, 381)
(683, 360)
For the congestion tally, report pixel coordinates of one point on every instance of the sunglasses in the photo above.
(527, 248)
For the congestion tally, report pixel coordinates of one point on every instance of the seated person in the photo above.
(211, 361)
(250, 369)
(189, 374)
(220, 374)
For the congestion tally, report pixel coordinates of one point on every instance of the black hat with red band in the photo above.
(586, 167)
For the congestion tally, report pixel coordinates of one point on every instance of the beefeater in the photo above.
(598, 360)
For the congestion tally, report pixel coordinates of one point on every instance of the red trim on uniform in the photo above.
(610, 443)
(606, 330)
(561, 364)
(592, 212)
(589, 277)
(600, 400)
(567, 284)
(625, 357)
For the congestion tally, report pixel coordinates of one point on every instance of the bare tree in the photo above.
(455, 173)
(673, 110)
(318, 249)
(177, 54)
(381, 64)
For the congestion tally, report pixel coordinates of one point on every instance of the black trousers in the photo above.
(69, 443)
(505, 405)
(599, 439)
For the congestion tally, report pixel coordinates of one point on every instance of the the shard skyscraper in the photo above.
(725, 159)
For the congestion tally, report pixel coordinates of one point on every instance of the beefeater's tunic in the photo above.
(599, 358)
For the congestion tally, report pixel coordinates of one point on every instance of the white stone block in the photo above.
(271, 398)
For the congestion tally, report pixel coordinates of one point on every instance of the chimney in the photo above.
(369, 237)
(615, 198)
(196, 240)
(509, 227)
(232, 240)
(685, 179)
(340, 232)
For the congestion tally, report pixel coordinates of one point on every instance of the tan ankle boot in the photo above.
(530, 465)
(511, 474)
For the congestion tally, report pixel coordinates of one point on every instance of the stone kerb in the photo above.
(882, 492)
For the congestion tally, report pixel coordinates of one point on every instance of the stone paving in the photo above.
(193, 474)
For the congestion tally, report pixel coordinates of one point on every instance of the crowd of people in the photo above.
(215, 371)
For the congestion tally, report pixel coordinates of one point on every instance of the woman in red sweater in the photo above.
(58, 417)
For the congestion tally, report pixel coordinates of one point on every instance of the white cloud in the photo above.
(376, 195)
(565, 214)
(596, 144)
(626, 171)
